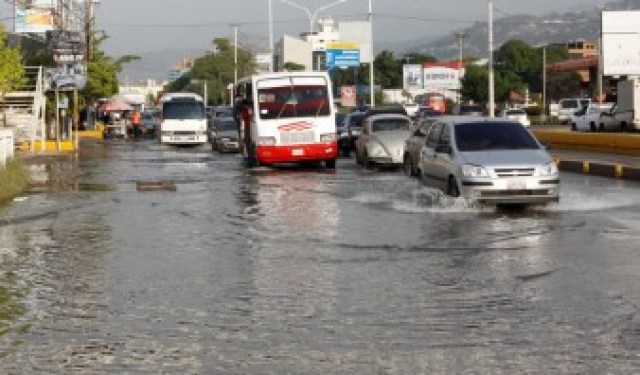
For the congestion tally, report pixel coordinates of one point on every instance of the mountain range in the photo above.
(556, 27)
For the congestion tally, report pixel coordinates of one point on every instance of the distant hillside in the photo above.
(156, 65)
(552, 28)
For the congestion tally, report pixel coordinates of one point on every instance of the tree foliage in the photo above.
(217, 69)
(102, 71)
(12, 71)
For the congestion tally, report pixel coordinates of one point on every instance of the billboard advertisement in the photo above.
(620, 43)
(34, 16)
(412, 77)
(68, 50)
(342, 54)
(442, 75)
(348, 96)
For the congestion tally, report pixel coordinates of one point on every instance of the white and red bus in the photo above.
(292, 118)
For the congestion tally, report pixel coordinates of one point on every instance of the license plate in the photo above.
(516, 184)
(297, 152)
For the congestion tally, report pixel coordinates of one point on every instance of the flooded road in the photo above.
(308, 271)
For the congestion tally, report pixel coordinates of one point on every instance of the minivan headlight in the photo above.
(549, 169)
(470, 170)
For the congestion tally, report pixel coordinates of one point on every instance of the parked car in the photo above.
(516, 114)
(352, 127)
(382, 139)
(224, 137)
(588, 118)
(492, 161)
(468, 110)
(413, 146)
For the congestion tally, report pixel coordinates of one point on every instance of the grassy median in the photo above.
(14, 180)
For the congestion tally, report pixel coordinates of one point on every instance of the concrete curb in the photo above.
(612, 170)
(617, 143)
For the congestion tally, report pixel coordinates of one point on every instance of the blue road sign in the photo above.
(342, 57)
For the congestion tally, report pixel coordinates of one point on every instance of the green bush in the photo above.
(14, 180)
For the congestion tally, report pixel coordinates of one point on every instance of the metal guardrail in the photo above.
(6, 145)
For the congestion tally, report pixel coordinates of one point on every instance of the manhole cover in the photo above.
(155, 186)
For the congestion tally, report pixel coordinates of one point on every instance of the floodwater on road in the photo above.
(307, 271)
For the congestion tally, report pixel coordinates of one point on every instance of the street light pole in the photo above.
(371, 94)
(312, 15)
(460, 35)
(235, 55)
(491, 72)
(271, 35)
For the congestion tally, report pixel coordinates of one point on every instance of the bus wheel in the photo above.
(330, 164)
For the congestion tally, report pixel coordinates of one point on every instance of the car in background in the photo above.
(413, 146)
(224, 135)
(425, 112)
(396, 109)
(352, 127)
(411, 109)
(149, 122)
(516, 114)
(382, 139)
(490, 161)
(589, 117)
(569, 106)
(468, 110)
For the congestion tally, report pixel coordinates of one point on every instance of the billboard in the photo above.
(34, 16)
(68, 50)
(620, 43)
(342, 54)
(348, 96)
(442, 75)
(412, 77)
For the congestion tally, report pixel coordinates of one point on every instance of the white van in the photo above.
(569, 106)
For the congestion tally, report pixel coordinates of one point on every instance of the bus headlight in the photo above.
(328, 137)
(266, 141)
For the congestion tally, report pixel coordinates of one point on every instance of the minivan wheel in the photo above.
(573, 126)
(452, 188)
(593, 127)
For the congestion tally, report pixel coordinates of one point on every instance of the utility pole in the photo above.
(235, 56)
(271, 35)
(544, 80)
(371, 94)
(491, 70)
(460, 36)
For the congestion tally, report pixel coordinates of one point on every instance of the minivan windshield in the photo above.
(183, 110)
(226, 124)
(486, 136)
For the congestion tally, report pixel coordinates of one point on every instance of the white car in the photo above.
(382, 139)
(516, 114)
(590, 117)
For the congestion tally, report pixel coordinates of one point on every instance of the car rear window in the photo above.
(486, 136)
(391, 124)
(355, 121)
(513, 112)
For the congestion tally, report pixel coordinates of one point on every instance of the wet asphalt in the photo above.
(302, 270)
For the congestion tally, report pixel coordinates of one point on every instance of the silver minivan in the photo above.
(488, 160)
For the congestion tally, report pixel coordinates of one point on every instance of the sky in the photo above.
(145, 25)
(140, 26)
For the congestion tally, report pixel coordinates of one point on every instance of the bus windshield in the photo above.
(293, 101)
(183, 110)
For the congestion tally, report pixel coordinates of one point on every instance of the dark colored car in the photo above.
(386, 109)
(425, 112)
(468, 110)
(148, 123)
(352, 125)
